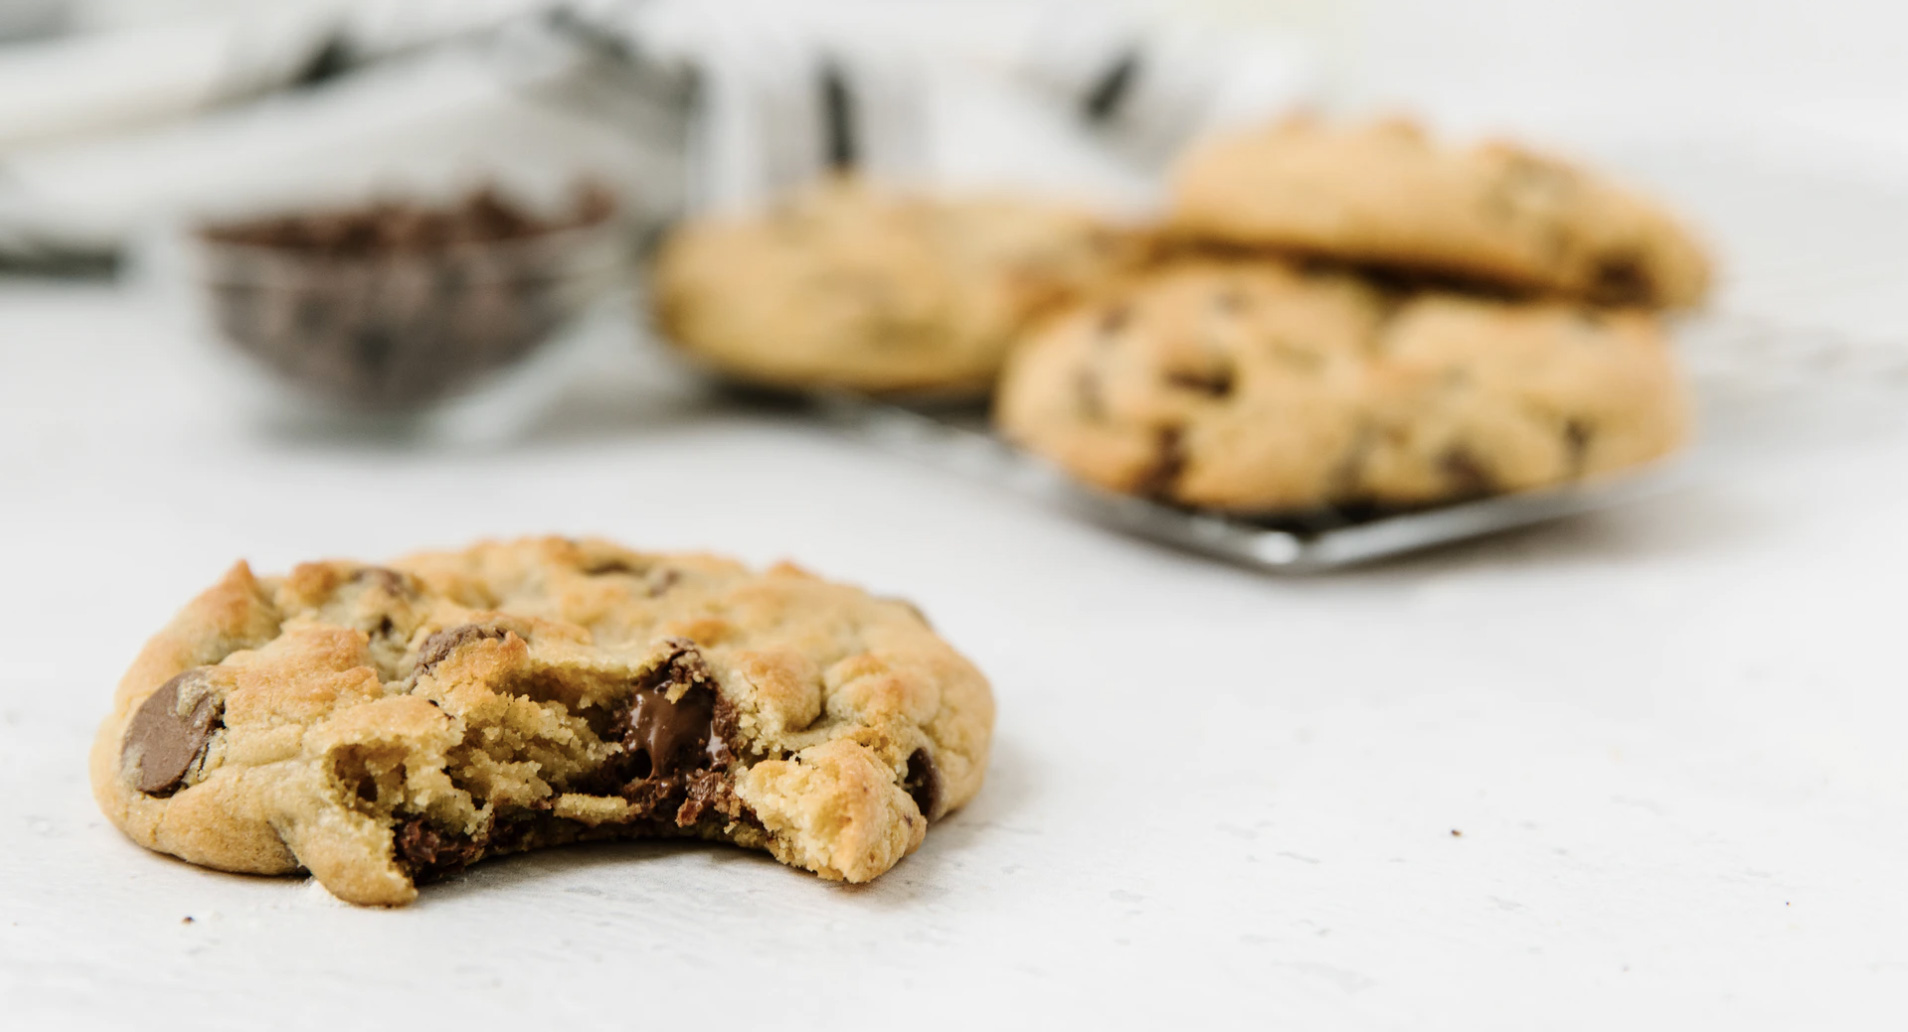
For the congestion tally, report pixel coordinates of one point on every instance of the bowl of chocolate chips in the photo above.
(392, 306)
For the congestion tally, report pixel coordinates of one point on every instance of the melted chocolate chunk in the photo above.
(664, 737)
(162, 744)
(428, 853)
(676, 753)
(439, 646)
(923, 783)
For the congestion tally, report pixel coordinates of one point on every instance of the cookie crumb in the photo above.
(1456, 833)
(186, 919)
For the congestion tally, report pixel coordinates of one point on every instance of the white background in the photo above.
(1670, 736)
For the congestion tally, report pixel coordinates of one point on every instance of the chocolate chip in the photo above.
(428, 853)
(923, 783)
(391, 581)
(1467, 476)
(162, 743)
(481, 217)
(605, 567)
(1620, 279)
(1169, 461)
(1576, 435)
(439, 646)
(1214, 381)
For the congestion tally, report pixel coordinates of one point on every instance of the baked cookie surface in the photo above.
(1257, 387)
(1385, 194)
(847, 286)
(379, 725)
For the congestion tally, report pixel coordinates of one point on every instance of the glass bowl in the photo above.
(378, 328)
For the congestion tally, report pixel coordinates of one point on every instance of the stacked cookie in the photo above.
(1359, 317)
(847, 286)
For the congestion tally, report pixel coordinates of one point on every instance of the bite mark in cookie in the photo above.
(923, 783)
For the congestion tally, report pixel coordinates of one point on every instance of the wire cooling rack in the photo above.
(1761, 389)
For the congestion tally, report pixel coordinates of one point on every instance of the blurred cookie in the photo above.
(847, 286)
(1384, 194)
(1254, 387)
(1238, 386)
(1474, 397)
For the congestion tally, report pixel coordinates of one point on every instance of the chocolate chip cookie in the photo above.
(1260, 388)
(1385, 194)
(381, 725)
(850, 286)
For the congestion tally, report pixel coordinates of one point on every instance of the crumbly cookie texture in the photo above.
(847, 286)
(380, 725)
(1257, 387)
(1384, 193)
